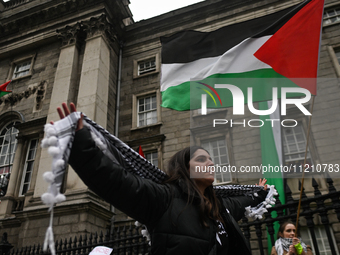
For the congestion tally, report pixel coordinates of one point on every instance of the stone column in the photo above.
(94, 81)
(63, 91)
(7, 202)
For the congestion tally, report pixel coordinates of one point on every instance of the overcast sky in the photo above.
(144, 9)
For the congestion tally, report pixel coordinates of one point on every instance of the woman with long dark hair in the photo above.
(183, 215)
(288, 243)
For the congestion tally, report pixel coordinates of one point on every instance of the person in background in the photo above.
(288, 243)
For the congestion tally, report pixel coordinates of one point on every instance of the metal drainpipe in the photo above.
(118, 87)
(117, 114)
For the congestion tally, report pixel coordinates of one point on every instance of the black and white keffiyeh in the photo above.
(282, 244)
(59, 138)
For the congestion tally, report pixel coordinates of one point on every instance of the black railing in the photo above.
(310, 208)
(128, 240)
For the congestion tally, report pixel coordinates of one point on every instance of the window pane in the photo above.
(24, 189)
(215, 151)
(152, 157)
(147, 112)
(2, 160)
(34, 143)
(224, 160)
(29, 166)
(292, 148)
(22, 69)
(332, 16)
(331, 13)
(8, 145)
(223, 150)
(5, 149)
(30, 154)
(147, 106)
(218, 151)
(294, 144)
(27, 177)
(146, 66)
(30, 158)
(32, 149)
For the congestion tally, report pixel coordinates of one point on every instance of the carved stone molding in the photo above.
(99, 26)
(95, 26)
(70, 35)
(41, 90)
(14, 98)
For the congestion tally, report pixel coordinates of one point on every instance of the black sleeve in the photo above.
(237, 205)
(141, 199)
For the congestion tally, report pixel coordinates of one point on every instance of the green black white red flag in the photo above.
(3, 89)
(282, 47)
(277, 50)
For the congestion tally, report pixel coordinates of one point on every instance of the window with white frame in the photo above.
(218, 151)
(22, 68)
(294, 146)
(146, 110)
(8, 145)
(28, 168)
(321, 239)
(331, 16)
(146, 66)
(152, 157)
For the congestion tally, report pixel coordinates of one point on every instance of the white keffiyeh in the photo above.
(282, 244)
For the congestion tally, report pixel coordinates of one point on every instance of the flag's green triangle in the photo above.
(2, 93)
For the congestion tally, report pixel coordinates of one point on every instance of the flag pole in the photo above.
(304, 166)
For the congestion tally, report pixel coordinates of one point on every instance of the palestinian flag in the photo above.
(276, 50)
(3, 88)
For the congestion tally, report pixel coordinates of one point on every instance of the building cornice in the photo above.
(32, 15)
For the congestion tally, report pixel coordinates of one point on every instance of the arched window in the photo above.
(8, 144)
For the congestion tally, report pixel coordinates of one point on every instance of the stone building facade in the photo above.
(55, 51)
(92, 53)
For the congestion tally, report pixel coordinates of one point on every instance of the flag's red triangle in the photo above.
(140, 151)
(4, 86)
(293, 51)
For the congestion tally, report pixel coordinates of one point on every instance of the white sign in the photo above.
(101, 250)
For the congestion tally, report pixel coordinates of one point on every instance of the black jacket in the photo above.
(174, 225)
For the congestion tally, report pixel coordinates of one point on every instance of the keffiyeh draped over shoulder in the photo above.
(59, 138)
(282, 244)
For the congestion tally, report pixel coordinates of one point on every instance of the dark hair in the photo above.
(283, 227)
(178, 172)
